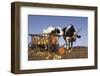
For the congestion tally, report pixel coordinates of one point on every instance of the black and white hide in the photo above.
(58, 31)
(70, 35)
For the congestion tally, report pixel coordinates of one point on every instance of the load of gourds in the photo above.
(43, 41)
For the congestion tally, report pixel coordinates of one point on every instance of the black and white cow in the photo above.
(70, 35)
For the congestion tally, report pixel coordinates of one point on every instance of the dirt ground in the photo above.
(77, 52)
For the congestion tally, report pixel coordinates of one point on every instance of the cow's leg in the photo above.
(68, 43)
(70, 46)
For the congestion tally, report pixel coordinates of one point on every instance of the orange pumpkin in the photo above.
(61, 50)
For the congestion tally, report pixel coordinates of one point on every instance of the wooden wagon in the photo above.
(48, 42)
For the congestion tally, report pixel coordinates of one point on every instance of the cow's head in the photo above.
(57, 31)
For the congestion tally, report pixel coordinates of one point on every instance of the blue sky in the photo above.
(36, 24)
